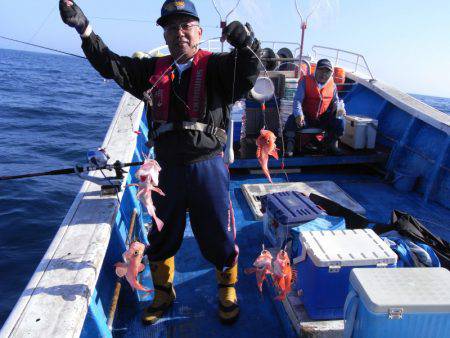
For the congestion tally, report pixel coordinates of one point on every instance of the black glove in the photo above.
(73, 16)
(238, 35)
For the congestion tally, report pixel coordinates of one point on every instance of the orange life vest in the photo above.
(162, 79)
(316, 101)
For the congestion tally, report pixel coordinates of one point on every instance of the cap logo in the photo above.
(175, 5)
(179, 4)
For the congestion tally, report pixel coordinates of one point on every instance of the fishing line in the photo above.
(122, 19)
(223, 23)
(234, 77)
(297, 7)
(286, 234)
(160, 78)
(303, 26)
(43, 23)
(174, 62)
(279, 115)
(218, 12)
(43, 47)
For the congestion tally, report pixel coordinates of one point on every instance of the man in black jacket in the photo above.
(188, 93)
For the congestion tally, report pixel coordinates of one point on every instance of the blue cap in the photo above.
(176, 7)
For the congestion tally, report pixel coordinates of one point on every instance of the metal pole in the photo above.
(301, 43)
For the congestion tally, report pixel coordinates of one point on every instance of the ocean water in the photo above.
(52, 110)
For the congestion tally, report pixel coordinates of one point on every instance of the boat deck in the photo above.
(194, 312)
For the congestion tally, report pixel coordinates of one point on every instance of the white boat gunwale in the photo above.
(406, 102)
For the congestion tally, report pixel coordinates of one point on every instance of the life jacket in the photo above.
(317, 101)
(162, 79)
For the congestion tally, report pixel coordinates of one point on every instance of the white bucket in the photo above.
(263, 90)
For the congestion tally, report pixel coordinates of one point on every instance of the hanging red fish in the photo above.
(266, 146)
(262, 267)
(283, 274)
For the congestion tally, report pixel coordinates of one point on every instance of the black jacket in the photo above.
(133, 76)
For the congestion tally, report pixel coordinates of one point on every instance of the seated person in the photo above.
(315, 106)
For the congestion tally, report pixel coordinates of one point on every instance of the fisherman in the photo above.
(188, 114)
(316, 106)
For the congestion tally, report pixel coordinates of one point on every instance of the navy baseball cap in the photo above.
(176, 7)
(324, 63)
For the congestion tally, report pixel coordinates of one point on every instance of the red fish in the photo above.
(261, 267)
(283, 274)
(132, 266)
(148, 175)
(266, 146)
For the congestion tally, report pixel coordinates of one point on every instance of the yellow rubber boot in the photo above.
(228, 303)
(162, 275)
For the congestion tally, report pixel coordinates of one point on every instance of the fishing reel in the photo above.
(98, 160)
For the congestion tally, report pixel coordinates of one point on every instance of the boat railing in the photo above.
(283, 43)
(339, 56)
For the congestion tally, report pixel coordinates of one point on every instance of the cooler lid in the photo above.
(359, 247)
(413, 290)
(361, 119)
(291, 207)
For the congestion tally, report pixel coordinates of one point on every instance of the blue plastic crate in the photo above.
(291, 207)
(326, 262)
(401, 303)
(284, 210)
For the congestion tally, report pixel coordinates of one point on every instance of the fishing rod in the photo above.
(303, 26)
(117, 166)
(43, 47)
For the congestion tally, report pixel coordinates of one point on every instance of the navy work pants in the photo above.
(202, 188)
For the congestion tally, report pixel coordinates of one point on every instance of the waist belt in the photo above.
(185, 125)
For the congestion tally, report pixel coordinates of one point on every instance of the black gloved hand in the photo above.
(238, 35)
(73, 16)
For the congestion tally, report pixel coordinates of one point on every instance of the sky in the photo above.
(406, 43)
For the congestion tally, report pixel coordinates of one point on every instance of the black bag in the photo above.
(410, 227)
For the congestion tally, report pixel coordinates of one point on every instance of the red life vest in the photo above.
(197, 87)
(316, 101)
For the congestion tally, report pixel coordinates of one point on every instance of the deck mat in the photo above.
(194, 312)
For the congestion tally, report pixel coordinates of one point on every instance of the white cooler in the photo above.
(325, 263)
(400, 303)
(360, 132)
